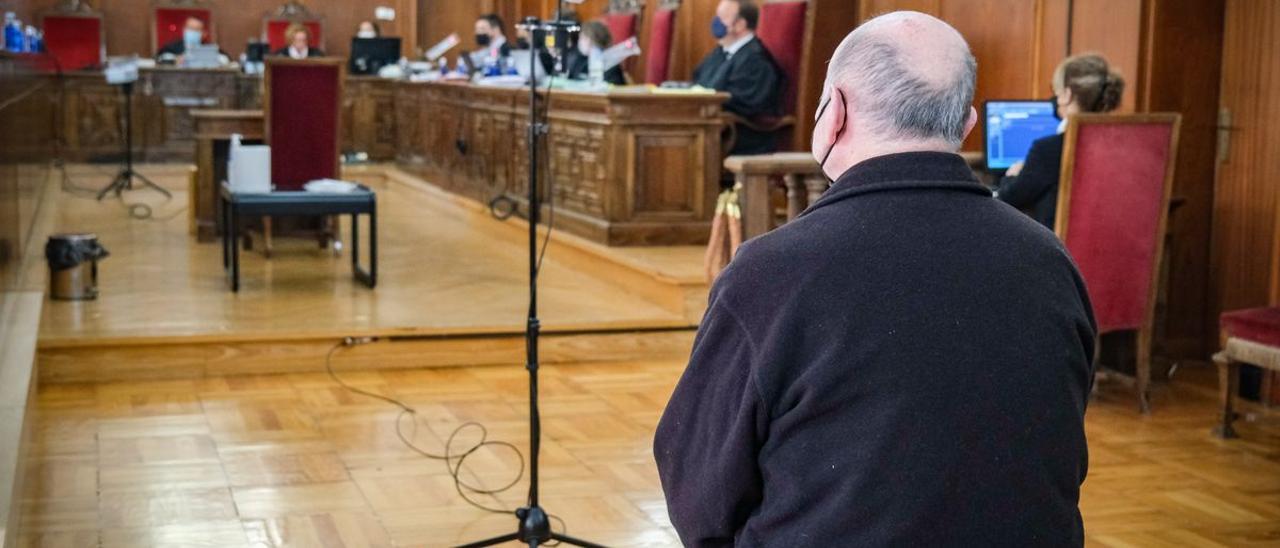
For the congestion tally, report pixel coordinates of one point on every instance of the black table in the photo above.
(236, 205)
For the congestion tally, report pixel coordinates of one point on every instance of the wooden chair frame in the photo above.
(327, 233)
(294, 11)
(1145, 339)
(157, 5)
(81, 9)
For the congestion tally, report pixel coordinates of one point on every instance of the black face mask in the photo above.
(483, 40)
(522, 43)
(823, 164)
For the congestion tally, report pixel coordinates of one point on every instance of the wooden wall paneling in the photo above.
(1114, 29)
(1182, 67)
(1005, 51)
(1051, 20)
(872, 8)
(832, 21)
(1246, 191)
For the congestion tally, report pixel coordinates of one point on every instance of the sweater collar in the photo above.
(903, 171)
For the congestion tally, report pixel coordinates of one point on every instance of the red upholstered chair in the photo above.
(169, 16)
(73, 35)
(302, 106)
(1113, 205)
(1250, 336)
(623, 18)
(276, 22)
(662, 33)
(786, 30)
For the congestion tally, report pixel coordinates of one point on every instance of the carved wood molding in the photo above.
(669, 4)
(73, 7)
(179, 3)
(294, 10)
(626, 6)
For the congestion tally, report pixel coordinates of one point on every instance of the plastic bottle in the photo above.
(595, 67)
(30, 41)
(12, 32)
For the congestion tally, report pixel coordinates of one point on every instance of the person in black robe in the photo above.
(909, 361)
(298, 43)
(594, 36)
(744, 68)
(193, 31)
(492, 41)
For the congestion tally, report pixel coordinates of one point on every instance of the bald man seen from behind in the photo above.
(905, 364)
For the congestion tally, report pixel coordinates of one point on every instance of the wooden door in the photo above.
(1245, 252)
(1246, 230)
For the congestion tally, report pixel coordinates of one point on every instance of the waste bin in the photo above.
(73, 266)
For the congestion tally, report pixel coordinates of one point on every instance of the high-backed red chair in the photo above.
(276, 22)
(169, 16)
(73, 35)
(623, 18)
(1249, 336)
(786, 30)
(302, 107)
(662, 33)
(1113, 204)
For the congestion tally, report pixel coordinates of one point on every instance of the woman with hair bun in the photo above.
(1082, 83)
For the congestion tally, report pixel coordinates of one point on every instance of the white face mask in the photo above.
(366, 34)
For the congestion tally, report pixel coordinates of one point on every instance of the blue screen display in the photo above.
(1012, 126)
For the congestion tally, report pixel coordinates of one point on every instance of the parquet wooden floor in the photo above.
(294, 460)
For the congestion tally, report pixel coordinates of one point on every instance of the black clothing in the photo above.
(1035, 189)
(311, 52)
(906, 364)
(754, 82)
(577, 66)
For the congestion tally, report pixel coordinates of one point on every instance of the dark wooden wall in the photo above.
(235, 22)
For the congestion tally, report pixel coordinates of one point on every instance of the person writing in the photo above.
(593, 39)
(1083, 83)
(298, 38)
(194, 33)
(746, 70)
(881, 371)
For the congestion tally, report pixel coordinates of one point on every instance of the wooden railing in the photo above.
(775, 188)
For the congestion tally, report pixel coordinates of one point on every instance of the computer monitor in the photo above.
(1012, 125)
(368, 55)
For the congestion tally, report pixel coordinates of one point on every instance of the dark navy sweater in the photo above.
(907, 363)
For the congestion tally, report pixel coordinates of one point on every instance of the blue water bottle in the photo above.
(12, 33)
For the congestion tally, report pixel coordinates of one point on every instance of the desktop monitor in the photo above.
(368, 55)
(1012, 125)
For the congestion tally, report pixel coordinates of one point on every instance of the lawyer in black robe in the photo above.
(754, 83)
(906, 364)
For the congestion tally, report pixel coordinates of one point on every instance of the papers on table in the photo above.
(330, 186)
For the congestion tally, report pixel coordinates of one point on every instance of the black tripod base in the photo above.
(124, 181)
(534, 530)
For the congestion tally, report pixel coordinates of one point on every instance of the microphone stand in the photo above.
(124, 179)
(534, 527)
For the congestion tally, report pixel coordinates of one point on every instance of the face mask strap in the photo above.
(823, 164)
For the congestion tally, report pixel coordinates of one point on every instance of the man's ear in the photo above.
(970, 123)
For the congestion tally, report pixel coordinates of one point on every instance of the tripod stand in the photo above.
(534, 526)
(124, 179)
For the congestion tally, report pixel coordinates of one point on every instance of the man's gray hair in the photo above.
(901, 103)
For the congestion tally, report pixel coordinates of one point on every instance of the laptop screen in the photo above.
(1011, 128)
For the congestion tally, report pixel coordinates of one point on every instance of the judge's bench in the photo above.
(626, 167)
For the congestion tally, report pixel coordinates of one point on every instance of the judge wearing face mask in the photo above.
(742, 67)
(194, 33)
(490, 38)
(594, 38)
(298, 38)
